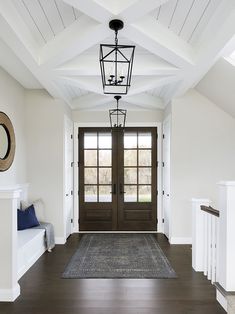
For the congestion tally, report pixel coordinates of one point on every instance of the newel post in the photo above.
(226, 254)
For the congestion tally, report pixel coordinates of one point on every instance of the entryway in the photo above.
(118, 179)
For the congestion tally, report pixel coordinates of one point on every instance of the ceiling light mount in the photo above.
(116, 62)
(116, 25)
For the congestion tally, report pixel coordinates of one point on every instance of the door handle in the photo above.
(114, 189)
(121, 189)
(168, 195)
(66, 194)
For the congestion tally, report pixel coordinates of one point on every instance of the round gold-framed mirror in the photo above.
(7, 142)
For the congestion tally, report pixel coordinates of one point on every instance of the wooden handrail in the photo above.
(210, 210)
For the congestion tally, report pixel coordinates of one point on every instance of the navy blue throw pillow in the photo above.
(27, 218)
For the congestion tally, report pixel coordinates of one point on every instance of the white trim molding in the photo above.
(180, 240)
(60, 240)
(10, 295)
(9, 194)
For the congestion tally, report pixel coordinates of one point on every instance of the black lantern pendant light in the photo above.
(116, 63)
(117, 116)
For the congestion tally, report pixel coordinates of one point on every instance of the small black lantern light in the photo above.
(117, 116)
(116, 62)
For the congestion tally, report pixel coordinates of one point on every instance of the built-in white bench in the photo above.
(31, 245)
(30, 242)
(21, 249)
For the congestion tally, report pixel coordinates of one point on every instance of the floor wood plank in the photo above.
(44, 292)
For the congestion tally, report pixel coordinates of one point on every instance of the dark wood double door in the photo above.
(117, 179)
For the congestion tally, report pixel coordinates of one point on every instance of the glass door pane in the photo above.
(137, 166)
(97, 167)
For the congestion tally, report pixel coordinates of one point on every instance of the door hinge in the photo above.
(163, 220)
(78, 136)
(163, 164)
(78, 163)
(78, 192)
(71, 192)
(72, 164)
(157, 192)
(157, 220)
(71, 220)
(71, 136)
(163, 192)
(163, 136)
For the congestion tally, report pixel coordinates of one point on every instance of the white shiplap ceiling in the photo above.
(186, 18)
(57, 42)
(46, 18)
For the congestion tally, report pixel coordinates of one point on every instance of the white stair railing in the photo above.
(204, 238)
(213, 249)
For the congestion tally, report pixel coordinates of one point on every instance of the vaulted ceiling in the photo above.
(54, 44)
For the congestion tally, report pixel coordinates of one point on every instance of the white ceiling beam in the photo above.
(161, 41)
(75, 39)
(91, 101)
(139, 9)
(92, 9)
(14, 40)
(10, 15)
(88, 65)
(11, 63)
(140, 85)
(145, 101)
(90, 84)
(211, 48)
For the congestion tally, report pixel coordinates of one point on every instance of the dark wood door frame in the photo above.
(117, 214)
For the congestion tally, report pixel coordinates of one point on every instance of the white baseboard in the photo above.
(60, 240)
(10, 295)
(180, 240)
(222, 300)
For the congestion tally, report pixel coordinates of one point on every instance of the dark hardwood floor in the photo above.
(44, 292)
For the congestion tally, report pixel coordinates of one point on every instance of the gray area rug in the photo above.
(119, 256)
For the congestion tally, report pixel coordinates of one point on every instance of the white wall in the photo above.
(202, 153)
(218, 85)
(45, 137)
(145, 116)
(12, 102)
